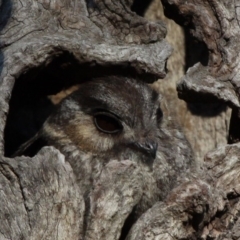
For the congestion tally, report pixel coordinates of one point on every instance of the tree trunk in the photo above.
(205, 125)
(47, 46)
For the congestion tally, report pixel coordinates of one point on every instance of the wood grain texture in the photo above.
(39, 196)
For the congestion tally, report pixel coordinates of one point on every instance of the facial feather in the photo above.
(136, 133)
(135, 107)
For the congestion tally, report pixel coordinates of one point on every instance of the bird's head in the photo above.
(109, 115)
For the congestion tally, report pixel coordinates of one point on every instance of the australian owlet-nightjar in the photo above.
(117, 118)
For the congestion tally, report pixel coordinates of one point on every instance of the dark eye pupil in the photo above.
(107, 124)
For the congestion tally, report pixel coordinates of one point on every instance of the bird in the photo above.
(117, 118)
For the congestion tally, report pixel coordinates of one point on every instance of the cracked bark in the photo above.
(212, 119)
(42, 40)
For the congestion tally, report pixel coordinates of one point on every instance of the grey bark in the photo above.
(39, 196)
(205, 125)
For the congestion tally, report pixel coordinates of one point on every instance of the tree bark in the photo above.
(205, 125)
(46, 46)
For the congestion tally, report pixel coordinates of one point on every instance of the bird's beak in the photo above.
(149, 147)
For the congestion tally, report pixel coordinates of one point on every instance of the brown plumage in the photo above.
(117, 118)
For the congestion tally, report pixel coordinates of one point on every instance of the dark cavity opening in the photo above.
(130, 220)
(234, 130)
(30, 105)
(196, 51)
(140, 7)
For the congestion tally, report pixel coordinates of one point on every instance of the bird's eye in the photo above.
(159, 115)
(107, 123)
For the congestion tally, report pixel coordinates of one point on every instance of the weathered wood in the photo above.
(34, 33)
(40, 198)
(204, 125)
(216, 24)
